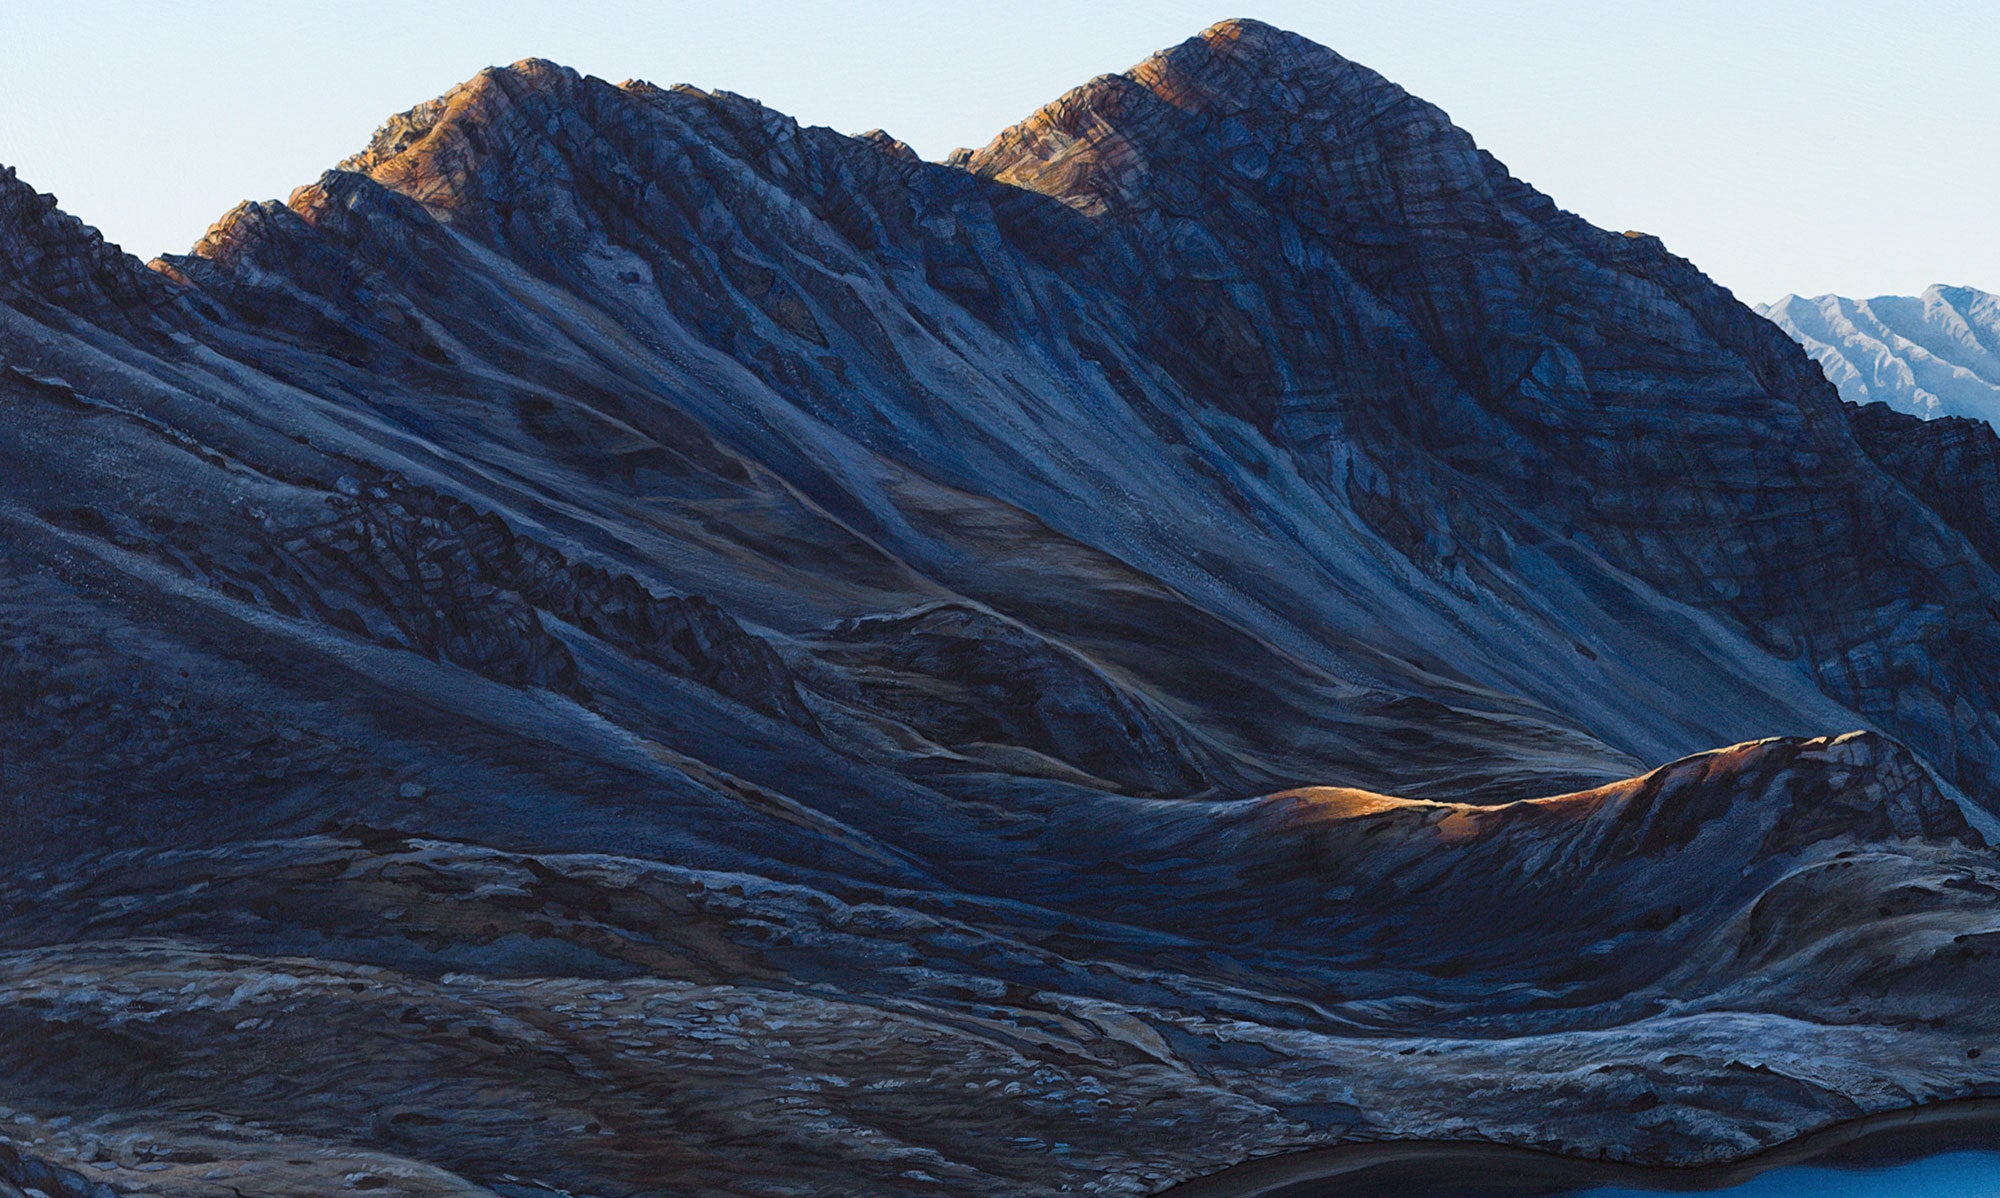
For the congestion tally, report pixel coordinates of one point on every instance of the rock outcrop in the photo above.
(618, 643)
(52, 263)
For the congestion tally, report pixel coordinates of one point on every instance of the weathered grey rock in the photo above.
(621, 644)
(52, 262)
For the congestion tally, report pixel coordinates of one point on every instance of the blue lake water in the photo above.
(1969, 1174)
(1948, 1151)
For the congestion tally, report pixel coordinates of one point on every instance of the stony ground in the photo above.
(616, 644)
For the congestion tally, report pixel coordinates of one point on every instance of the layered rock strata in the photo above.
(615, 643)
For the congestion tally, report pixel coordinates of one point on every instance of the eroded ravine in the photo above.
(619, 644)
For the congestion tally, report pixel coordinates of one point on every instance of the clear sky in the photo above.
(1784, 145)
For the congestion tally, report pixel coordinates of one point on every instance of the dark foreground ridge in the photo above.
(619, 644)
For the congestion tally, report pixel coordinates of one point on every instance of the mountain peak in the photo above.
(49, 258)
(889, 144)
(1258, 102)
(1959, 294)
(692, 603)
(1241, 29)
(1244, 64)
(1932, 354)
(1253, 41)
(426, 151)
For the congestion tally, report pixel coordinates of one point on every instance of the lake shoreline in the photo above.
(1398, 1166)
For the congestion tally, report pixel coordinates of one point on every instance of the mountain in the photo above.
(1931, 355)
(615, 643)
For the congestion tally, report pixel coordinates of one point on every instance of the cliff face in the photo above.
(1486, 375)
(619, 632)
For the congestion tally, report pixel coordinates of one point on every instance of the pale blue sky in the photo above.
(1784, 145)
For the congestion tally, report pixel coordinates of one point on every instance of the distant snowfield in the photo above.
(1935, 354)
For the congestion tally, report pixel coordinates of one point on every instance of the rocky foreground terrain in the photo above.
(615, 644)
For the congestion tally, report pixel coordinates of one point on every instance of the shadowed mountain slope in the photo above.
(621, 644)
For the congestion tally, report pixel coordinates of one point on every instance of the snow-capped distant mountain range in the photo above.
(617, 643)
(1935, 354)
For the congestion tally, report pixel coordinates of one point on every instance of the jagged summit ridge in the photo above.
(50, 258)
(1258, 86)
(1368, 349)
(1244, 65)
(634, 636)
